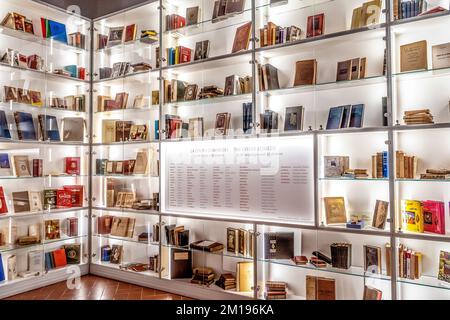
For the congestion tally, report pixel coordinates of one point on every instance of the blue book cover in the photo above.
(247, 117)
(4, 161)
(335, 118)
(357, 116)
(2, 272)
(404, 16)
(409, 9)
(385, 165)
(4, 131)
(48, 262)
(49, 127)
(73, 70)
(58, 31)
(156, 129)
(25, 126)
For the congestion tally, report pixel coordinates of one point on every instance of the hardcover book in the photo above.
(21, 201)
(25, 126)
(356, 116)
(115, 36)
(73, 253)
(52, 229)
(192, 15)
(50, 196)
(196, 127)
(344, 70)
(3, 205)
(380, 214)
(335, 210)
(4, 130)
(305, 72)
(293, 119)
(181, 264)
(73, 129)
(116, 254)
(201, 50)
(441, 56)
(372, 259)
(315, 26)
(444, 266)
(35, 201)
(412, 215)
(234, 6)
(433, 216)
(318, 288)
(21, 166)
(371, 293)
(63, 199)
(244, 276)
(242, 37)
(335, 117)
(130, 33)
(72, 165)
(414, 56)
(76, 193)
(48, 126)
(279, 245)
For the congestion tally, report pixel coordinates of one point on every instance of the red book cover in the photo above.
(44, 27)
(72, 227)
(37, 168)
(4, 207)
(81, 73)
(130, 33)
(315, 25)
(181, 22)
(433, 216)
(76, 192)
(60, 258)
(73, 165)
(185, 54)
(63, 198)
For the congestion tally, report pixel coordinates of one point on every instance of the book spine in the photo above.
(385, 165)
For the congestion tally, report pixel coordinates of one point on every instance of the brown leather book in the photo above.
(318, 288)
(21, 201)
(104, 224)
(123, 129)
(305, 72)
(242, 37)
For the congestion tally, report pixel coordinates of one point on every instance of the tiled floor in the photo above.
(96, 288)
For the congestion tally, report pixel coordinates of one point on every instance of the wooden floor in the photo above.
(96, 288)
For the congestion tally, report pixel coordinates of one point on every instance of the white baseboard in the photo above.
(171, 286)
(32, 283)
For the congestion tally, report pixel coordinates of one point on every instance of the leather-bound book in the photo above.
(305, 72)
(181, 264)
(279, 245)
(318, 288)
(21, 201)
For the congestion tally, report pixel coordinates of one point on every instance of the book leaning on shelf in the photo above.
(348, 116)
(268, 77)
(18, 22)
(269, 121)
(368, 14)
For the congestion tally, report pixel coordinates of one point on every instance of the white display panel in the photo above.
(263, 178)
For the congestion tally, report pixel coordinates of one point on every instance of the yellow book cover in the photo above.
(412, 215)
(177, 55)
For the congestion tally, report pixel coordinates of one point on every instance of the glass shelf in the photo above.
(431, 126)
(125, 143)
(119, 267)
(44, 177)
(326, 86)
(423, 236)
(107, 236)
(299, 5)
(63, 239)
(15, 106)
(38, 142)
(213, 287)
(367, 230)
(127, 210)
(325, 41)
(426, 281)
(48, 75)
(123, 176)
(222, 253)
(125, 47)
(424, 180)
(43, 212)
(130, 77)
(219, 99)
(40, 41)
(211, 63)
(352, 271)
(128, 110)
(423, 18)
(423, 73)
(353, 179)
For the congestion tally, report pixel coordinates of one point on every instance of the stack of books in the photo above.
(422, 116)
(210, 92)
(275, 290)
(149, 36)
(341, 255)
(436, 174)
(203, 276)
(355, 173)
(227, 281)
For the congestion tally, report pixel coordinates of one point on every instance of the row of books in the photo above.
(380, 165)
(14, 58)
(69, 196)
(68, 254)
(125, 167)
(121, 195)
(272, 34)
(406, 165)
(119, 131)
(73, 127)
(423, 216)
(34, 98)
(404, 9)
